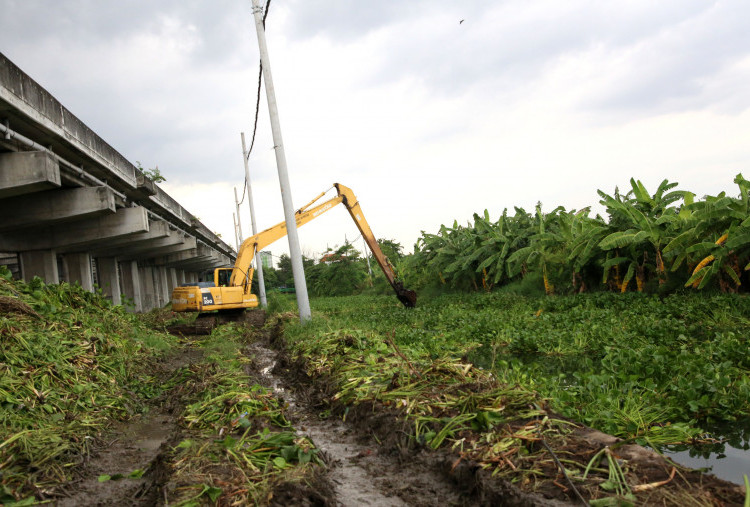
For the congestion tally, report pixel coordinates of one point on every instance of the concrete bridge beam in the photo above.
(142, 248)
(201, 263)
(77, 235)
(156, 230)
(178, 258)
(173, 244)
(55, 206)
(41, 263)
(24, 172)
(197, 264)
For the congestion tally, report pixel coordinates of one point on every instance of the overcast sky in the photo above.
(427, 118)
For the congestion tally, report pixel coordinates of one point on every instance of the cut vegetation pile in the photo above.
(235, 441)
(410, 372)
(79, 377)
(460, 386)
(67, 369)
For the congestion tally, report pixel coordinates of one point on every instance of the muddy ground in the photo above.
(127, 466)
(370, 458)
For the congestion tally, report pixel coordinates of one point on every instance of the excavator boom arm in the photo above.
(242, 273)
(407, 297)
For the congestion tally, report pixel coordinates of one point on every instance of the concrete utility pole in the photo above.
(258, 262)
(239, 222)
(295, 253)
(236, 240)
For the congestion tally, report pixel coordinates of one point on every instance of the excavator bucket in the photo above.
(407, 297)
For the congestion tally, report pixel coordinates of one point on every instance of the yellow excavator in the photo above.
(230, 289)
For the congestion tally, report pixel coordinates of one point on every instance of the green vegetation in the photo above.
(237, 442)
(636, 366)
(653, 243)
(341, 271)
(476, 373)
(70, 364)
(154, 174)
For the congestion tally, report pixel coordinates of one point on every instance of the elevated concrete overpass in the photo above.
(74, 209)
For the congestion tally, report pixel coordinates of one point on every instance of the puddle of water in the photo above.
(729, 460)
(136, 448)
(730, 465)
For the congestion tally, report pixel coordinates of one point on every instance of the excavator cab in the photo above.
(222, 276)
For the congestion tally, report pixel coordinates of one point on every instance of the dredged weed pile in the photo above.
(415, 365)
(70, 363)
(237, 444)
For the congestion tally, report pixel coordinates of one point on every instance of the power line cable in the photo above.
(260, 78)
(257, 103)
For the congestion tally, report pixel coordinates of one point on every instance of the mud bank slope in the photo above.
(491, 444)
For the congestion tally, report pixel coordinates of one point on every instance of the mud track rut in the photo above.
(357, 473)
(360, 473)
(360, 469)
(138, 445)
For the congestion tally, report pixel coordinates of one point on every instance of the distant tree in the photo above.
(340, 272)
(284, 270)
(270, 277)
(391, 249)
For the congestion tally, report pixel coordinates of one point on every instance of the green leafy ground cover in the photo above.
(475, 372)
(632, 365)
(70, 364)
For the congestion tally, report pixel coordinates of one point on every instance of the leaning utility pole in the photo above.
(295, 252)
(236, 240)
(258, 262)
(239, 223)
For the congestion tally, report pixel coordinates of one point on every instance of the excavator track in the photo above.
(205, 323)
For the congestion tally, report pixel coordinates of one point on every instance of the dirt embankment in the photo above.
(371, 454)
(360, 470)
(454, 478)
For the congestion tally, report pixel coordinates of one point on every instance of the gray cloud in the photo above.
(190, 113)
(677, 45)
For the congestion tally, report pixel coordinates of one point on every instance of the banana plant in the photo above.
(718, 239)
(547, 246)
(584, 252)
(643, 225)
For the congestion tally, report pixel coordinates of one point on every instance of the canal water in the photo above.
(729, 460)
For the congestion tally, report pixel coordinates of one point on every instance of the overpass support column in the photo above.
(41, 263)
(190, 277)
(78, 269)
(147, 288)
(108, 279)
(173, 282)
(131, 284)
(163, 287)
(180, 276)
